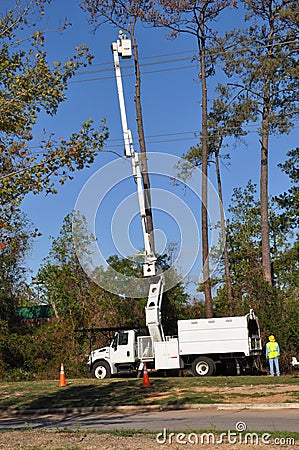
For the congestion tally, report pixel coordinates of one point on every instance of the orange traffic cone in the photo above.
(62, 380)
(146, 381)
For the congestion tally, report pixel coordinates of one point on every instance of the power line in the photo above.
(131, 66)
(182, 136)
(130, 74)
(212, 53)
(194, 52)
(141, 58)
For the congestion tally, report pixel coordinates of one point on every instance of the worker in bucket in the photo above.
(272, 354)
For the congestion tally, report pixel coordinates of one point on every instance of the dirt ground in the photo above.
(244, 394)
(277, 394)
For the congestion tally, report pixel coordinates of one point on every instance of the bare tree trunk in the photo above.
(204, 212)
(266, 258)
(230, 298)
(144, 167)
(56, 314)
(264, 177)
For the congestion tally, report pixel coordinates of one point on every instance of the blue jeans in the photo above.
(274, 362)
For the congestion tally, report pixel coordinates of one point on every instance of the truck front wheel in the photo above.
(203, 367)
(101, 370)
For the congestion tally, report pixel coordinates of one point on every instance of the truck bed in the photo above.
(214, 336)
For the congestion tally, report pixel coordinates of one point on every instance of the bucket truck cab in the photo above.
(119, 357)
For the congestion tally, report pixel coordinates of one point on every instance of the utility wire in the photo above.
(131, 66)
(194, 52)
(131, 74)
(86, 72)
(141, 58)
(172, 137)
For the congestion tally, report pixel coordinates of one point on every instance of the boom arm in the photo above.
(122, 47)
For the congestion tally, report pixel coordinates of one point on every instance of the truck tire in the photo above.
(101, 370)
(203, 367)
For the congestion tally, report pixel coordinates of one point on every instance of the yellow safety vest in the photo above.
(272, 349)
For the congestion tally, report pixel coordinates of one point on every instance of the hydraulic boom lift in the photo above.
(123, 48)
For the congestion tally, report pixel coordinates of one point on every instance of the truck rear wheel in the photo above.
(203, 367)
(101, 370)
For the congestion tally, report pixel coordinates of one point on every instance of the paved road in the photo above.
(183, 420)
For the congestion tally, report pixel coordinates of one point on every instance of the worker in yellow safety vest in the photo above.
(272, 354)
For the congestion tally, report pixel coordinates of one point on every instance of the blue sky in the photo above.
(171, 108)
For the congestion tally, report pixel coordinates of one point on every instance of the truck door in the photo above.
(123, 347)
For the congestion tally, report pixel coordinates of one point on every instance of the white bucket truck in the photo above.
(201, 345)
(229, 344)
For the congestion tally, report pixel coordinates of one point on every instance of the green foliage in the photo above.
(29, 85)
(19, 236)
(243, 240)
(38, 352)
(289, 201)
(277, 305)
(4, 332)
(127, 310)
(64, 284)
(286, 269)
(225, 119)
(266, 51)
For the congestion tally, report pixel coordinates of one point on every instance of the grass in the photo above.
(130, 391)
